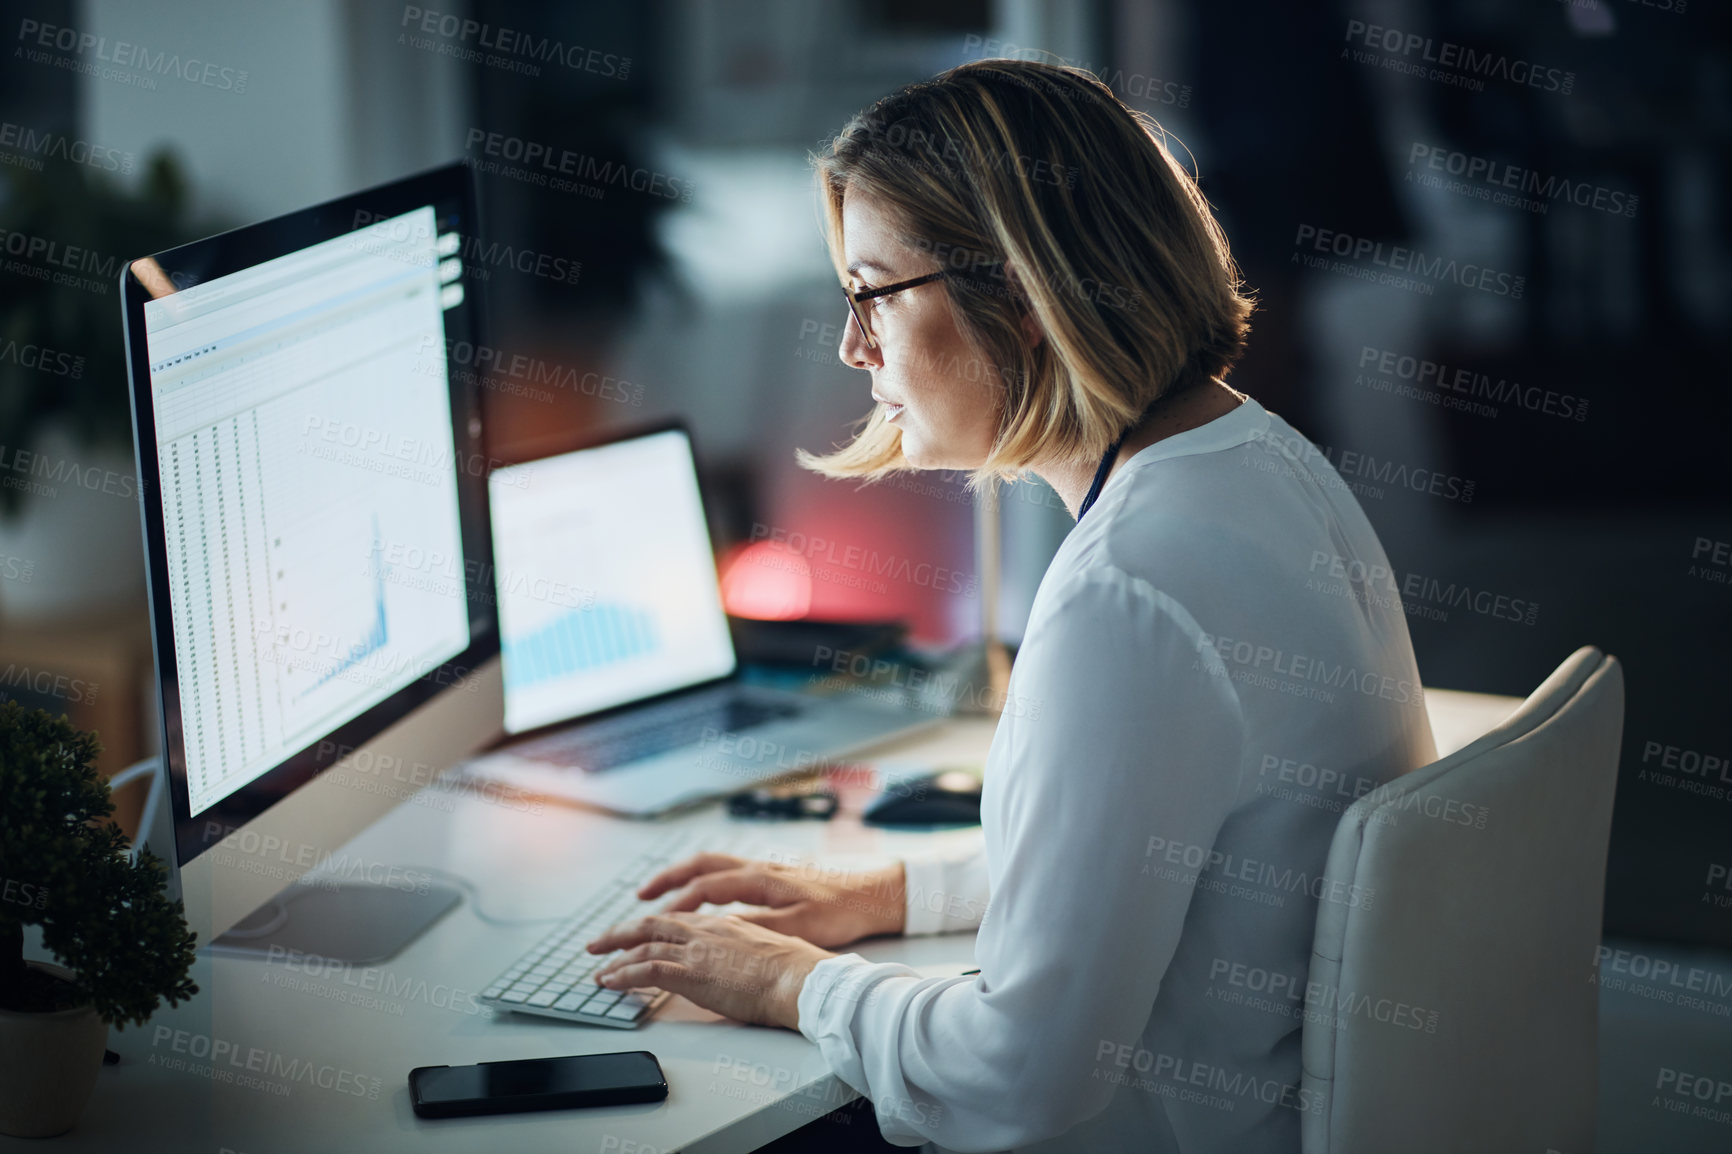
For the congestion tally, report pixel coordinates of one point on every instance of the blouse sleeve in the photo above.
(947, 889)
(1131, 745)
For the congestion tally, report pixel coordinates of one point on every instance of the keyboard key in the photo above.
(513, 996)
(493, 991)
(626, 1011)
(571, 1001)
(545, 998)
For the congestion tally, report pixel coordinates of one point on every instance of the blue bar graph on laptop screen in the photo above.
(606, 580)
(580, 640)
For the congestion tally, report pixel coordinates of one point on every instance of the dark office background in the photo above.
(1585, 502)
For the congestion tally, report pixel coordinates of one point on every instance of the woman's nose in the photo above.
(854, 350)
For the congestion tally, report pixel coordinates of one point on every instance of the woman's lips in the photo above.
(891, 409)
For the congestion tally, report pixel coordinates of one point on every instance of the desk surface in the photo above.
(293, 1058)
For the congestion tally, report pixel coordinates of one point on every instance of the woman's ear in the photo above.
(1031, 330)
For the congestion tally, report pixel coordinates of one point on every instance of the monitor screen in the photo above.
(314, 505)
(303, 430)
(606, 581)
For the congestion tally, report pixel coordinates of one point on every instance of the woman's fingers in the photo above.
(733, 885)
(656, 973)
(738, 969)
(682, 872)
(650, 927)
(647, 952)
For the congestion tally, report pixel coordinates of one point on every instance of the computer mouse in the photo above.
(949, 797)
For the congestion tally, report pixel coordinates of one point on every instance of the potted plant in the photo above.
(122, 944)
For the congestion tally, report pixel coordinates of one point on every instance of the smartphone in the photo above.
(536, 1084)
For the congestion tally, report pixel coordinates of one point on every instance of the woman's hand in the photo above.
(725, 964)
(827, 907)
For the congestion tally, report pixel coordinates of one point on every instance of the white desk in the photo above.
(331, 1053)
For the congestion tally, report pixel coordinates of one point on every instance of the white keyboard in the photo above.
(556, 978)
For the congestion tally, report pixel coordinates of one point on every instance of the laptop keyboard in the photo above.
(661, 729)
(555, 978)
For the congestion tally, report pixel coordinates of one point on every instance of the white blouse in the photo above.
(1216, 664)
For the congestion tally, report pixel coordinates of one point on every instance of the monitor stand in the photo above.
(343, 922)
(340, 922)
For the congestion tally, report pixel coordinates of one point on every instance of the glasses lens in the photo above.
(859, 319)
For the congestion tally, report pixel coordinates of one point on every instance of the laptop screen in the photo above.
(606, 581)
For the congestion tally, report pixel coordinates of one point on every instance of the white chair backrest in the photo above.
(1453, 1004)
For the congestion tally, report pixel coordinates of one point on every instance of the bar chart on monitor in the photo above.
(606, 582)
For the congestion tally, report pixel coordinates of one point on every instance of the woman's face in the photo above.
(931, 384)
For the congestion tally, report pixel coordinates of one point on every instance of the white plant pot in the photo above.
(48, 1067)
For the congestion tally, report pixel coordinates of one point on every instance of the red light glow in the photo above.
(766, 581)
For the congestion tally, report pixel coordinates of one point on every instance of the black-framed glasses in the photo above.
(855, 298)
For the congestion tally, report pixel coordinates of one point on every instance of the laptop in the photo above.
(622, 687)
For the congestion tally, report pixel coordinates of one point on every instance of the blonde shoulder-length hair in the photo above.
(1041, 194)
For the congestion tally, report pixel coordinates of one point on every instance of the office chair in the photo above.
(1455, 1006)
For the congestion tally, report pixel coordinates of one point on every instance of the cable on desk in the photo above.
(474, 896)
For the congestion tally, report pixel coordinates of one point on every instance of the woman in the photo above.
(1212, 666)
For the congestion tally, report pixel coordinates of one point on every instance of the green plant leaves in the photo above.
(105, 917)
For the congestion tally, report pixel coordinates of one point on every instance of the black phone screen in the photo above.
(538, 1083)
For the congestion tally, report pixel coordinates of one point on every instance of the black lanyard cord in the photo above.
(1100, 480)
(1106, 465)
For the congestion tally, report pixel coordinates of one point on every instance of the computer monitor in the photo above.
(313, 493)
